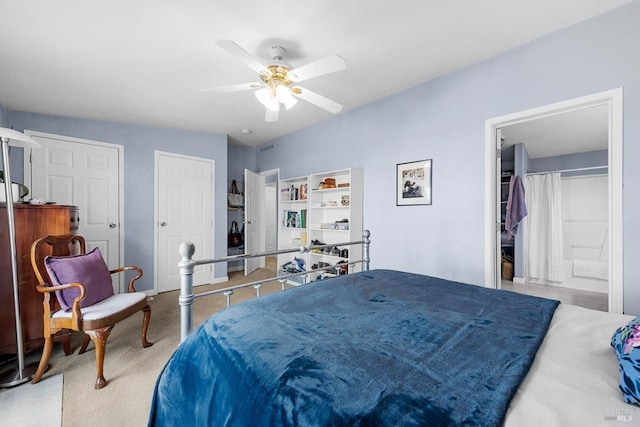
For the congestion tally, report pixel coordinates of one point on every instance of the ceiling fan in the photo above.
(275, 87)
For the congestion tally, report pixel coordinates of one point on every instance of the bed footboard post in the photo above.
(186, 267)
(365, 249)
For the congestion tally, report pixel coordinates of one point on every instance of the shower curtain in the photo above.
(543, 237)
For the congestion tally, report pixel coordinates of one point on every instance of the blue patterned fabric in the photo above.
(626, 343)
(378, 348)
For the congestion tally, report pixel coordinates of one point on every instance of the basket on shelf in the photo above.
(507, 267)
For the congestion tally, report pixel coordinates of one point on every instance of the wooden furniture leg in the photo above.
(85, 343)
(65, 339)
(145, 325)
(99, 337)
(44, 360)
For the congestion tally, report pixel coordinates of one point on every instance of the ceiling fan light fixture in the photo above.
(283, 95)
(267, 98)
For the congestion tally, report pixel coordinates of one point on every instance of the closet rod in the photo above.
(569, 170)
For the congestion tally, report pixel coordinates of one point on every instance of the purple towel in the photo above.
(516, 207)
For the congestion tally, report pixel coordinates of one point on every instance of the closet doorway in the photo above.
(580, 140)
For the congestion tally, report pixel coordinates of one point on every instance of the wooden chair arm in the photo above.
(76, 314)
(133, 279)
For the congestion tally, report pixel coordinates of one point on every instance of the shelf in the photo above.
(330, 190)
(329, 256)
(327, 214)
(328, 207)
(329, 230)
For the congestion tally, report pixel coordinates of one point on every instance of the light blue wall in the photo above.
(572, 161)
(139, 143)
(240, 157)
(444, 119)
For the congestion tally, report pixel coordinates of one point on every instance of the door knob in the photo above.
(112, 225)
(163, 224)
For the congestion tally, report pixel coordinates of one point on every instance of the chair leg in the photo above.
(85, 343)
(99, 337)
(145, 325)
(64, 337)
(44, 360)
(66, 343)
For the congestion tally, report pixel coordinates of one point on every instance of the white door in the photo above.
(271, 217)
(86, 174)
(184, 212)
(254, 215)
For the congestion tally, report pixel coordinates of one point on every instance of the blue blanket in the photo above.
(381, 348)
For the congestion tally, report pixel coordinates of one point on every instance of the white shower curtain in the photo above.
(543, 238)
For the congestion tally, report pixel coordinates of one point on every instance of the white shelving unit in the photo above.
(333, 205)
(292, 220)
(335, 216)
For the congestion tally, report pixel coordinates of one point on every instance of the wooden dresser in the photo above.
(32, 222)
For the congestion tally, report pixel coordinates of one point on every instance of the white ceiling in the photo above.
(144, 61)
(566, 133)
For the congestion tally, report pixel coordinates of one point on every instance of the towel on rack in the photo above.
(516, 206)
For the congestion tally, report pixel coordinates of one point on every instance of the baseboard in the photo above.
(221, 279)
(518, 280)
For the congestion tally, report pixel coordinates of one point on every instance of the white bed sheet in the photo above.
(574, 378)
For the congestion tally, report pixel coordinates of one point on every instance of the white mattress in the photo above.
(574, 378)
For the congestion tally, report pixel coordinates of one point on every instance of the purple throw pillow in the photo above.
(89, 269)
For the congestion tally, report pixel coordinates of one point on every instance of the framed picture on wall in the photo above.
(413, 183)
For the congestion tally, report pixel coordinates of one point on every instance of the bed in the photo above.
(383, 347)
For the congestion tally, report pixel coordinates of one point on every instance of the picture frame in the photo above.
(413, 183)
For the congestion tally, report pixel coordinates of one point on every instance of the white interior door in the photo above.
(254, 218)
(271, 217)
(184, 212)
(86, 174)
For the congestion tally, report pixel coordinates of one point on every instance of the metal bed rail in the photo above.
(187, 266)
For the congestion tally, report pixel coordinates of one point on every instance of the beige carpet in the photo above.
(131, 370)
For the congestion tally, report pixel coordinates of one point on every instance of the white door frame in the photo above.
(156, 219)
(120, 150)
(612, 98)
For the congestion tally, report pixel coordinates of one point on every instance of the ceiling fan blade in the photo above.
(271, 116)
(327, 65)
(232, 88)
(316, 99)
(234, 49)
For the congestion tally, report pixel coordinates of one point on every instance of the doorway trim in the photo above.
(612, 98)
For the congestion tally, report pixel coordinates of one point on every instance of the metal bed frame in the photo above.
(187, 266)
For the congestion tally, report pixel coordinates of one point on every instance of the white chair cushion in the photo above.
(106, 307)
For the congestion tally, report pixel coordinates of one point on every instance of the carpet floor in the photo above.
(130, 369)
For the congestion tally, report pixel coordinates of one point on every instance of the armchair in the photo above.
(82, 286)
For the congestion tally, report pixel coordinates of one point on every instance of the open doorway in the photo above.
(560, 248)
(549, 139)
